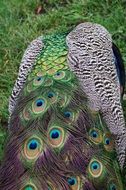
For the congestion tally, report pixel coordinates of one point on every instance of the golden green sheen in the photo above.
(53, 56)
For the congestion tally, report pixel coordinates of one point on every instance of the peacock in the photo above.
(66, 129)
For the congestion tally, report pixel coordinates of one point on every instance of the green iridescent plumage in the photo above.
(58, 143)
(53, 56)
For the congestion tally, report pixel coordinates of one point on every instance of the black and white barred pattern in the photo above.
(91, 58)
(26, 65)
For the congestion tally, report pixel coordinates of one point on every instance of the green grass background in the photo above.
(19, 25)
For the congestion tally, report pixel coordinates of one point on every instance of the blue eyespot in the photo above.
(107, 141)
(67, 114)
(29, 188)
(95, 165)
(56, 136)
(72, 181)
(39, 78)
(95, 168)
(39, 102)
(94, 134)
(50, 95)
(58, 74)
(55, 133)
(33, 144)
(113, 187)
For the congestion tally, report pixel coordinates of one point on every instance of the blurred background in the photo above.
(21, 21)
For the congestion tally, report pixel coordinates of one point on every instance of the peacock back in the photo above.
(55, 141)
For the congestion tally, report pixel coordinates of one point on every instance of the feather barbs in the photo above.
(63, 100)
(48, 82)
(26, 114)
(50, 186)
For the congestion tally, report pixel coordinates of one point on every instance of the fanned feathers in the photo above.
(56, 141)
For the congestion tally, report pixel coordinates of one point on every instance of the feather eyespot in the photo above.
(62, 75)
(56, 137)
(52, 97)
(38, 81)
(67, 114)
(70, 116)
(49, 188)
(33, 145)
(29, 187)
(59, 75)
(32, 148)
(108, 142)
(95, 168)
(95, 136)
(112, 185)
(74, 183)
(55, 134)
(39, 105)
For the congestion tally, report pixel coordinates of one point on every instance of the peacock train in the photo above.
(66, 129)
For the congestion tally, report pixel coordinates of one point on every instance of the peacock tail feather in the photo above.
(56, 142)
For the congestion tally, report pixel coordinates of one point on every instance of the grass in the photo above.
(19, 25)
